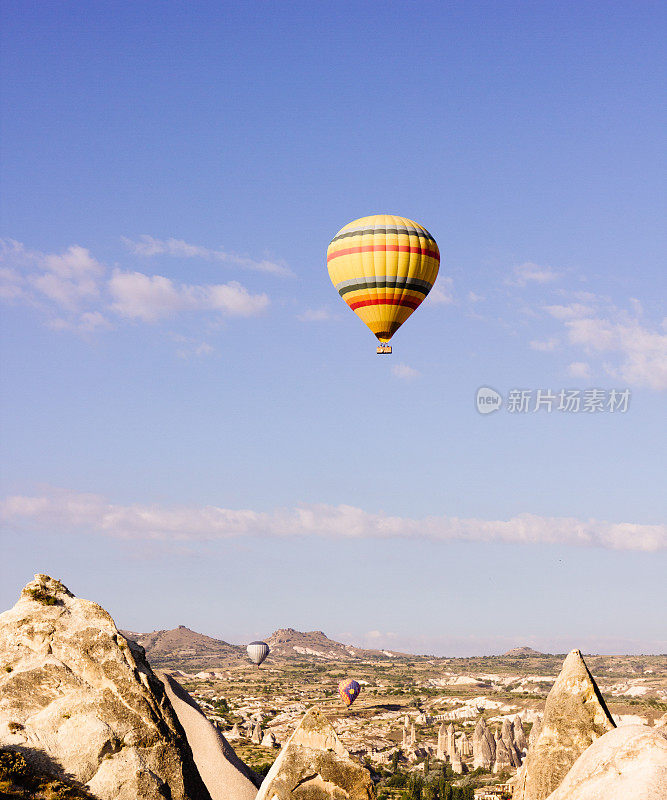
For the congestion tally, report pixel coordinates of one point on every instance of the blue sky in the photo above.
(198, 431)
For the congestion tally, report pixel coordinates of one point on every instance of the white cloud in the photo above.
(636, 352)
(88, 322)
(153, 297)
(69, 512)
(441, 293)
(523, 274)
(322, 314)
(67, 280)
(148, 247)
(404, 372)
(235, 300)
(547, 346)
(570, 311)
(12, 284)
(75, 291)
(579, 369)
(147, 297)
(475, 298)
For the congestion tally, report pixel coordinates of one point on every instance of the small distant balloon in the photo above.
(348, 691)
(258, 651)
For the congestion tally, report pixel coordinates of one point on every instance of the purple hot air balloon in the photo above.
(348, 691)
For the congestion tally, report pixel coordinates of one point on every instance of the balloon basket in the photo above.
(383, 349)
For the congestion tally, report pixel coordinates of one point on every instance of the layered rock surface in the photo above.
(628, 763)
(575, 715)
(314, 765)
(76, 696)
(225, 775)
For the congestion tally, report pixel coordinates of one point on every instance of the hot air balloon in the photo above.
(348, 691)
(383, 267)
(258, 651)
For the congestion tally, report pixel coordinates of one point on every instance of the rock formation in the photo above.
(457, 764)
(508, 740)
(75, 692)
(450, 741)
(483, 746)
(575, 715)
(503, 760)
(465, 746)
(314, 765)
(235, 732)
(406, 740)
(628, 763)
(519, 736)
(413, 735)
(442, 742)
(225, 775)
(269, 740)
(257, 734)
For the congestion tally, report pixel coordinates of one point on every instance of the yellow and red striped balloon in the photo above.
(383, 267)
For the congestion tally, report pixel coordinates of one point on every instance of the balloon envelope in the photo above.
(348, 691)
(383, 266)
(258, 651)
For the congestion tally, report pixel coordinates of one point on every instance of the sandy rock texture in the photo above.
(76, 696)
(225, 775)
(575, 715)
(314, 765)
(629, 763)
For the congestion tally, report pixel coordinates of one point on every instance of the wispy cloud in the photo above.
(404, 372)
(148, 247)
(545, 346)
(579, 369)
(68, 280)
(442, 293)
(152, 297)
(632, 349)
(76, 292)
(322, 314)
(69, 512)
(526, 273)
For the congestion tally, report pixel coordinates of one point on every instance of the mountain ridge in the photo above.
(183, 647)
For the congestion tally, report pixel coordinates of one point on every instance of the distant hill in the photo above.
(182, 648)
(523, 651)
(186, 649)
(288, 643)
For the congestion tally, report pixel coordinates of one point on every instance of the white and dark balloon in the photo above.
(258, 651)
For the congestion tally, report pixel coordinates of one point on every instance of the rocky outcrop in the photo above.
(483, 746)
(508, 740)
(575, 715)
(503, 760)
(629, 763)
(269, 740)
(519, 736)
(441, 752)
(257, 734)
(225, 775)
(457, 764)
(235, 732)
(314, 765)
(450, 742)
(77, 696)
